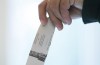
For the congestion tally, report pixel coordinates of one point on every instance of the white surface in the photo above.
(77, 44)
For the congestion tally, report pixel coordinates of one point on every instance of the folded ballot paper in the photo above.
(41, 44)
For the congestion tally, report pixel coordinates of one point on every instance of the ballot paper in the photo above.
(41, 44)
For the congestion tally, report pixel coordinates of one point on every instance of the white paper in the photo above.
(41, 44)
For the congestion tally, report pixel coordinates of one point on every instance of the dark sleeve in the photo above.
(91, 11)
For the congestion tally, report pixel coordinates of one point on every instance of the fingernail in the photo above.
(67, 22)
(59, 27)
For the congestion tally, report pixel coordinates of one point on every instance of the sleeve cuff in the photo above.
(90, 11)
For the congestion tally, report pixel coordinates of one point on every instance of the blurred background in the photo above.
(77, 44)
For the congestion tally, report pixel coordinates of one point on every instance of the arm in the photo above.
(63, 11)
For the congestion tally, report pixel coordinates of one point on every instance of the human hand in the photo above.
(60, 11)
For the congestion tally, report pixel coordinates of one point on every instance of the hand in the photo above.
(60, 11)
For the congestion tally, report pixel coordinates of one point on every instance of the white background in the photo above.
(77, 44)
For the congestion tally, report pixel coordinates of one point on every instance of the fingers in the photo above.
(64, 9)
(54, 13)
(42, 12)
(53, 6)
(55, 21)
